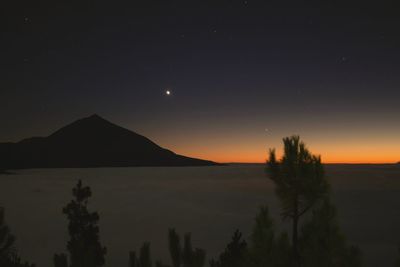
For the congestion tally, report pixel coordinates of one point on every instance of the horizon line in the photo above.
(343, 163)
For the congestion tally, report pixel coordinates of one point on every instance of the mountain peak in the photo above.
(93, 124)
(91, 142)
(95, 116)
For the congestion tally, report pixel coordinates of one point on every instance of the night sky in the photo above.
(242, 74)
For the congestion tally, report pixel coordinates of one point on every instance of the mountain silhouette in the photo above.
(90, 142)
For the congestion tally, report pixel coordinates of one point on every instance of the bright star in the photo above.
(168, 92)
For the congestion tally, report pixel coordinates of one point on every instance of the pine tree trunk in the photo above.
(296, 258)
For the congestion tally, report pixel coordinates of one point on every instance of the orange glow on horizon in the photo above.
(255, 159)
(250, 147)
(332, 155)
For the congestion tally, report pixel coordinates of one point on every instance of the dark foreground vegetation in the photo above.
(315, 238)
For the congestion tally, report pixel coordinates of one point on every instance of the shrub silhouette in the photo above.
(300, 183)
(266, 248)
(160, 264)
(186, 256)
(84, 246)
(6, 239)
(60, 260)
(234, 254)
(322, 243)
(145, 257)
(133, 262)
(190, 257)
(15, 261)
(8, 253)
(175, 248)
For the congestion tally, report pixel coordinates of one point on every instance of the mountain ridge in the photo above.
(91, 142)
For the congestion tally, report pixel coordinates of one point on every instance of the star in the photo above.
(168, 92)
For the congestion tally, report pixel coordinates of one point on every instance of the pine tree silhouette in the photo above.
(144, 259)
(8, 253)
(186, 256)
(300, 183)
(6, 239)
(266, 247)
(60, 260)
(85, 249)
(235, 253)
(145, 256)
(133, 262)
(322, 243)
(175, 249)
(160, 264)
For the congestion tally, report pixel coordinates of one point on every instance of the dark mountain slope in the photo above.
(90, 142)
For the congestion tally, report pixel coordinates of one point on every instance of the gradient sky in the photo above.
(243, 74)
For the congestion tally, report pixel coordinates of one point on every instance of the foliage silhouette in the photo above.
(235, 253)
(6, 239)
(144, 259)
(15, 261)
(133, 262)
(160, 264)
(266, 248)
(186, 256)
(321, 242)
(300, 183)
(60, 260)
(175, 249)
(85, 249)
(190, 257)
(8, 253)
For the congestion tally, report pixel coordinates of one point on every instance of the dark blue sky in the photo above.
(323, 70)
